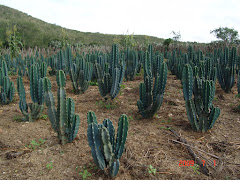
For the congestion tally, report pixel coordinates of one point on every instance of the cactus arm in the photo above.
(187, 81)
(115, 85)
(192, 115)
(215, 112)
(238, 83)
(114, 168)
(108, 124)
(75, 128)
(107, 146)
(121, 135)
(91, 117)
(94, 141)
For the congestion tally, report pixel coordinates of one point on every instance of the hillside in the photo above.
(35, 32)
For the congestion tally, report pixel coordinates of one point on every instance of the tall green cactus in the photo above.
(63, 120)
(238, 83)
(7, 86)
(110, 78)
(81, 74)
(151, 96)
(53, 64)
(226, 69)
(131, 59)
(7, 91)
(201, 113)
(105, 149)
(36, 92)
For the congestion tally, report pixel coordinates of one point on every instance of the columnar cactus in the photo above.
(42, 69)
(151, 97)
(53, 64)
(7, 91)
(7, 87)
(81, 74)
(105, 149)
(131, 59)
(226, 69)
(110, 78)
(37, 95)
(63, 119)
(238, 83)
(201, 113)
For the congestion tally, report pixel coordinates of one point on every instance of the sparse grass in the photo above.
(49, 166)
(35, 144)
(44, 116)
(107, 105)
(130, 118)
(83, 171)
(152, 170)
(195, 168)
(18, 118)
(163, 127)
(93, 83)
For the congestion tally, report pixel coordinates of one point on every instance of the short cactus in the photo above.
(105, 149)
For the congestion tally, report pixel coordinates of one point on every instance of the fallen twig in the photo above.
(191, 152)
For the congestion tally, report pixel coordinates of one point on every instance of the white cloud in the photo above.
(194, 19)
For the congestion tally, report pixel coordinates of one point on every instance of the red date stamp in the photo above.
(191, 163)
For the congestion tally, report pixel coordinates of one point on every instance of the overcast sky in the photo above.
(194, 19)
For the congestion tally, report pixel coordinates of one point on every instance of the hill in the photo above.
(35, 32)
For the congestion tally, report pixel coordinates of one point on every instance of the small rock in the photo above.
(77, 137)
(178, 101)
(152, 134)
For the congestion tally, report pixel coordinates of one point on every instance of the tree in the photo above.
(14, 41)
(226, 34)
(167, 42)
(177, 36)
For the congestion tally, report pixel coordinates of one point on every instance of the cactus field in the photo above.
(111, 112)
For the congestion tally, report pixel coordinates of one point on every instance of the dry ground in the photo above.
(148, 143)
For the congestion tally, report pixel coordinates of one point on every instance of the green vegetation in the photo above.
(64, 121)
(49, 166)
(34, 144)
(151, 96)
(46, 34)
(152, 170)
(107, 104)
(105, 149)
(227, 35)
(37, 94)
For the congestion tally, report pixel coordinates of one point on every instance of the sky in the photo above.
(193, 19)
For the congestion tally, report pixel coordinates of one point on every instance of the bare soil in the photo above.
(149, 141)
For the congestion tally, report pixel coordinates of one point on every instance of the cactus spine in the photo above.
(201, 113)
(105, 149)
(63, 120)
